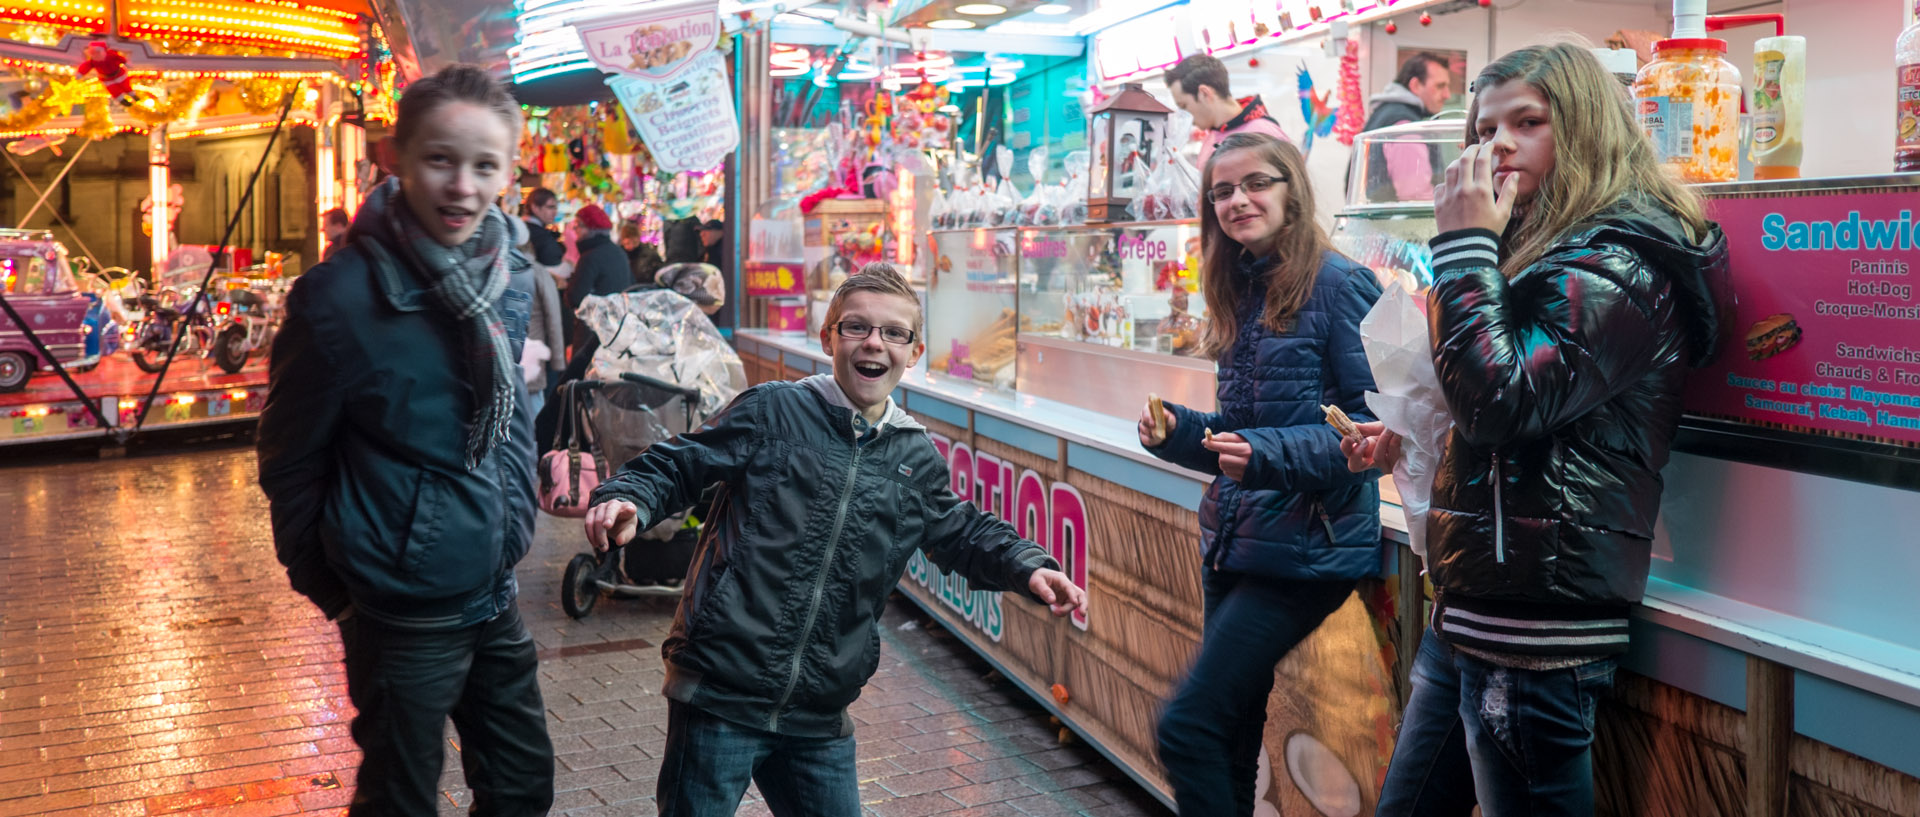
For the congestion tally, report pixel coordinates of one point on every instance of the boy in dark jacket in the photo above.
(827, 488)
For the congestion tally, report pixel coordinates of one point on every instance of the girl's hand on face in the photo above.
(1469, 199)
(1234, 451)
(1376, 447)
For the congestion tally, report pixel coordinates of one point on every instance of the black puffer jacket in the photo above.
(778, 629)
(1564, 384)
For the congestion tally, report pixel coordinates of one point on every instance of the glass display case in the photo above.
(972, 308)
(1110, 313)
(1095, 317)
(1126, 287)
(1388, 217)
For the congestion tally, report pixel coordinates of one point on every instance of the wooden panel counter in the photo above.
(1674, 740)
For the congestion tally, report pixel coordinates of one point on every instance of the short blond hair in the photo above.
(876, 276)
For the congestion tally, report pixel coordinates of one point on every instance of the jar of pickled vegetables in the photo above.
(1688, 101)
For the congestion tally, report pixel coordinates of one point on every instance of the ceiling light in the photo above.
(981, 9)
(1053, 8)
(951, 24)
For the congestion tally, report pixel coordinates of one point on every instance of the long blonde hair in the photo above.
(1301, 248)
(1602, 157)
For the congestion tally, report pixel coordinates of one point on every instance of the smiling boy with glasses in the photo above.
(827, 488)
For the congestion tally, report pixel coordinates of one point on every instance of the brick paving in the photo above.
(153, 661)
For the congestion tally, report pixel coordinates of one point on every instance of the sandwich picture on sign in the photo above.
(1771, 336)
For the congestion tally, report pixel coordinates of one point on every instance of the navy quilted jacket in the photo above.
(1299, 513)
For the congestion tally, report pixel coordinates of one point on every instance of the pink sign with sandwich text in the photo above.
(1826, 330)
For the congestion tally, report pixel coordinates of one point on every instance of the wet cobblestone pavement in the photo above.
(153, 661)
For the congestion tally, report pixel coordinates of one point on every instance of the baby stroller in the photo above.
(661, 369)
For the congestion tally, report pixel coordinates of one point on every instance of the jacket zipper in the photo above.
(819, 588)
(1321, 508)
(1499, 516)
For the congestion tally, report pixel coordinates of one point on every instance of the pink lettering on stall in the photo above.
(1051, 516)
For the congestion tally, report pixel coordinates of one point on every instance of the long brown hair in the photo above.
(1301, 248)
(1601, 156)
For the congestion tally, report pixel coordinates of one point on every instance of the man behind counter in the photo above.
(1408, 172)
(1199, 85)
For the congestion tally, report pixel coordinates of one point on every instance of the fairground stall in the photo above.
(1773, 671)
(169, 165)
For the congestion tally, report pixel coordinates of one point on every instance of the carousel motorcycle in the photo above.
(171, 311)
(244, 323)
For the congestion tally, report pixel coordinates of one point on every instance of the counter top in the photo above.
(1885, 670)
(1102, 433)
(1093, 429)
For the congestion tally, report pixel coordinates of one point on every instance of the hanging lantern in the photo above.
(1125, 131)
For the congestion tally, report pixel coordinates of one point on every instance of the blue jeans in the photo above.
(1519, 742)
(709, 762)
(1210, 734)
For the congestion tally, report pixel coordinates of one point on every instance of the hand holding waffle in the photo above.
(1234, 451)
(1156, 422)
(1371, 446)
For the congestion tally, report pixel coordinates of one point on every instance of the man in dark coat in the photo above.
(1420, 90)
(602, 269)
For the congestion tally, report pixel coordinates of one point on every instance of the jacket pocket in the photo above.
(429, 516)
(711, 601)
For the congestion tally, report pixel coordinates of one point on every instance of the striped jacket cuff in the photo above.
(1516, 629)
(1465, 249)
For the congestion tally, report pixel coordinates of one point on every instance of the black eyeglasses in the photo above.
(1253, 184)
(859, 330)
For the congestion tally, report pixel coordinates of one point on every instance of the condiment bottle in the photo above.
(1906, 58)
(1779, 88)
(1688, 100)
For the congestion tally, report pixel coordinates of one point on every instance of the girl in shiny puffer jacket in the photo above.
(1574, 289)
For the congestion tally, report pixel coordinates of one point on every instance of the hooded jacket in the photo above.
(1564, 385)
(362, 446)
(1252, 118)
(812, 528)
(1392, 106)
(1297, 512)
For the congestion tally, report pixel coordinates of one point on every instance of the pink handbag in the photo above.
(568, 475)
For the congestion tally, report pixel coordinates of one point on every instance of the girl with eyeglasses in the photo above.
(1286, 530)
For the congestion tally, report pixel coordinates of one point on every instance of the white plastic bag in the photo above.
(938, 213)
(1409, 401)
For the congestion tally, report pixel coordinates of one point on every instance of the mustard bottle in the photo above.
(1779, 89)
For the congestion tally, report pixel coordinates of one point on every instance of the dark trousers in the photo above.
(1519, 742)
(709, 762)
(406, 685)
(1210, 734)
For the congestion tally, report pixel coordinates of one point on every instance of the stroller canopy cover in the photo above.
(661, 334)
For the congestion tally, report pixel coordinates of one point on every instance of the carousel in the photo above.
(167, 168)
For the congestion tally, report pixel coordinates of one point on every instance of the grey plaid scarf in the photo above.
(467, 282)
